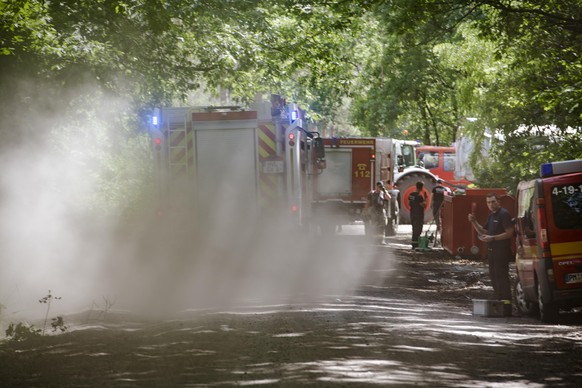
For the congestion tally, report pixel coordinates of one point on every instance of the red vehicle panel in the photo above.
(349, 174)
(440, 161)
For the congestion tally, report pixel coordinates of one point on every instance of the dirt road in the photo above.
(408, 323)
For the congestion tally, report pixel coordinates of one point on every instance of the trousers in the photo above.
(417, 222)
(498, 260)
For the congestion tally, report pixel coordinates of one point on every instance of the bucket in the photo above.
(423, 242)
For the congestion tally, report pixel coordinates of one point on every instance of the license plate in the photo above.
(574, 278)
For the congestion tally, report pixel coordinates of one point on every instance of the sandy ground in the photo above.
(407, 322)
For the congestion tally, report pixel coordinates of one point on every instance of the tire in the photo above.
(524, 306)
(407, 185)
(548, 311)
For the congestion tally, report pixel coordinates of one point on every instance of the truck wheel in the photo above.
(406, 186)
(523, 305)
(548, 311)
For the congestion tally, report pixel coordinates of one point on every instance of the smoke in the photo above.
(56, 216)
(66, 226)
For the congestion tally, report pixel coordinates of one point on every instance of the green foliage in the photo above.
(58, 324)
(512, 65)
(415, 67)
(520, 156)
(506, 64)
(22, 332)
(156, 51)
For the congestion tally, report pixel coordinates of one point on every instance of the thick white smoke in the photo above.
(64, 227)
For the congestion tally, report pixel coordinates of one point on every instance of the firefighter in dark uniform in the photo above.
(376, 207)
(497, 232)
(417, 203)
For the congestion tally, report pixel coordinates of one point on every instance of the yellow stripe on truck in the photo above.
(564, 249)
(269, 183)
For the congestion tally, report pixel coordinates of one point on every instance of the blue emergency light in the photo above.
(294, 115)
(155, 118)
(559, 168)
(546, 170)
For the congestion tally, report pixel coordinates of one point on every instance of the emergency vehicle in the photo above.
(269, 157)
(549, 240)
(243, 163)
(354, 165)
(440, 161)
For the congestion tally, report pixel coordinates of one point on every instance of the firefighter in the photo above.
(417, 202)
(497, 233)
(376, 207)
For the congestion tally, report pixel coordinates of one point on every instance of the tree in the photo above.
(535, 41)
(512, 65)
(79, 72)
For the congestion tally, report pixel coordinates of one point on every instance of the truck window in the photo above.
(567, 205)
(431, 159)
(408, 155)
(525, 212)
(449, 162)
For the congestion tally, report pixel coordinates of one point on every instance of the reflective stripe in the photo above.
(267, 145)
(269, 183)
(569, 248)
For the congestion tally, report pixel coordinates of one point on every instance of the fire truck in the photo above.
(354, 165)
(549, 240)
(269, 158)
(440, 161)
(241, 163)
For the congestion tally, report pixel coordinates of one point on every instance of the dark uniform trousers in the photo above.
(498, 258)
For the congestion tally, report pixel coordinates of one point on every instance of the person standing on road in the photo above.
(497, 233)
(417, 203)
(436, 203)
(378, 202)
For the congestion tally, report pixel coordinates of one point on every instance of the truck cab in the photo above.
(549, 240)
(440, 161)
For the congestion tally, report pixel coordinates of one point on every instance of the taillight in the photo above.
(291, 139)
(294, 208)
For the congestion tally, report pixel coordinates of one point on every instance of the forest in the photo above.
(78, 78)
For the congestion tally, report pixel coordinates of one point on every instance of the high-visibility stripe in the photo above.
(569, 248)
(180, 149)
(267, 146)
(268, 182)
(269, 186)
(176, 138)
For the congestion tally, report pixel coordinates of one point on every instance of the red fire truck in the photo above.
(269, 157)
(440, 161)
(354, 165)
(549, 240)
